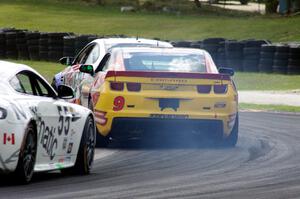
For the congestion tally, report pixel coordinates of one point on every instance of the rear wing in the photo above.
(211, 76)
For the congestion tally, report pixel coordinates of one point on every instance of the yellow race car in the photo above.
(136, 90)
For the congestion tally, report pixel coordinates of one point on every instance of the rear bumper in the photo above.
(124, 128)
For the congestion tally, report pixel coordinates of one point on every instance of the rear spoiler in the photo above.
(213, 76)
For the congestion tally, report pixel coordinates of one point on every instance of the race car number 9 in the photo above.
(119, 103)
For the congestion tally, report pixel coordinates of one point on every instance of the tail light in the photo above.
(220, 89)
(117, 86)
(204, 88)
(133, 86)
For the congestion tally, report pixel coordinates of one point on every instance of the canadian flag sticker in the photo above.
(9, 138)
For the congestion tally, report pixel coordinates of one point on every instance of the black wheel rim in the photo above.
(90, 143)
(29, 155)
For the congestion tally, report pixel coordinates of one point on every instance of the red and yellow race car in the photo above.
(137, 89)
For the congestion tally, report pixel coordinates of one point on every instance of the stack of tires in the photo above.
(234, 54)
(80, 42)
(267, 53)
(221, 58)
(43, 46)
(212, 46)
(281, 59)
(21, 43)
(182, 44)
(196, 44)
(69, 46)
(252, 55)
(11, 45)
(33, 45)
(2, 45)
(294, 60)
(55, 46)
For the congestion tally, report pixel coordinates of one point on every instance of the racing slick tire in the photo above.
(85, 155)
(101, 141)
(232, 139)
(27, 156)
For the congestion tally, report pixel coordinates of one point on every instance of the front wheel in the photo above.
(27, 156)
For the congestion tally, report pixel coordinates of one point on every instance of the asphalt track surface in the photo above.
(264, 164)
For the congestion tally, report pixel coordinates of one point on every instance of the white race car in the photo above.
(39, 130)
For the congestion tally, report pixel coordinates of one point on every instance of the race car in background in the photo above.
(39, 130)
(92, 55)
(140, 89)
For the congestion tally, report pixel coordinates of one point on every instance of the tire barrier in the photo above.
(234, 55)
(248, 55)
(294, 60)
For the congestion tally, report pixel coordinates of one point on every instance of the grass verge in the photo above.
(263, 81)
(46, 15)
(282, 108)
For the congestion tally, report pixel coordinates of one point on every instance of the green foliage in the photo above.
(271, 6)
(244, 2)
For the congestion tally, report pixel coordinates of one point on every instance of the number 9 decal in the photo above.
(119, 103)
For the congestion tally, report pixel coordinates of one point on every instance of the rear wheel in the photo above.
(231, 140)
(27, 156)
(85, 155)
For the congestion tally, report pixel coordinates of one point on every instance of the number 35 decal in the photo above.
(119, 103)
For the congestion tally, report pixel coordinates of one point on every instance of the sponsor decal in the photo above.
(64, 145)
(9, 138)
(169, 116)
(119, 103)
(49, 135)
(70, 147)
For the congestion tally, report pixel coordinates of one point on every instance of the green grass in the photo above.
(46, 15)
(282, 108)
(262, 81)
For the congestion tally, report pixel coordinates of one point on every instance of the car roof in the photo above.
(8, 69)
(160, 50)
(112, 41)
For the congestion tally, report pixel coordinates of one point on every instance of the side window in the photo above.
(83, 56)
(16, 84)
(93, 55)
(25, 83)
(42, 91)
(30, 83)
(105, 62)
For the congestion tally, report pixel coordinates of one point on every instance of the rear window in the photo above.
(155, 61)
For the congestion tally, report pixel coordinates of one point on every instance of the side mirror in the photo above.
(65, 92)
(66, 60)
(87, 69)
(226, 71)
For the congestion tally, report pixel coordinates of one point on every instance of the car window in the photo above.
(93, 55)
(25, 83)
(16, 84)
(83, 56)
(30, 83)
(154, 61)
